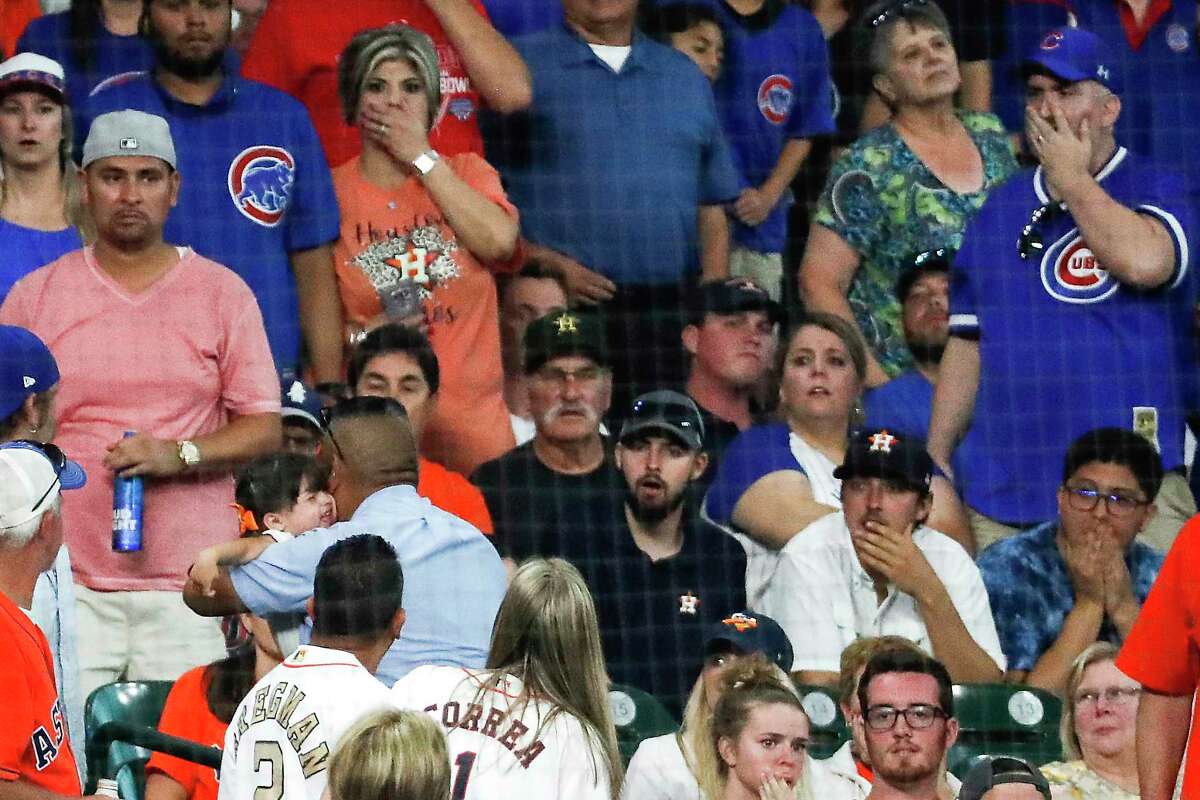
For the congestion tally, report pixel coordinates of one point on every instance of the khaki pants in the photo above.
(765, 269)
(1174, 506)
(141, 636)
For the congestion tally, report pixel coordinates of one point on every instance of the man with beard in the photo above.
(560, 484)
(257, 194)
(876, 569)
(907, 723)
(661, 576)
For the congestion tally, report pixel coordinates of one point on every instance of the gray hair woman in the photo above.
(1098, 725)
(421, 235)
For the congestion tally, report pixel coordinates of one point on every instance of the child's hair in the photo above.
(271, 484)
(391, 755)
(662, 21)
(752, 682)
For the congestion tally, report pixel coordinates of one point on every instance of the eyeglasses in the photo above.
(919, 716)
(58, 459)
(359, 406)
(1086, 498)
(1115, 695)
(942, 255)
(1031, 240)
(898, 9)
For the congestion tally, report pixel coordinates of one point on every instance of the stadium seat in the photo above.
(1003, 719)
(133, 702)
(637, 716)
(829, 729)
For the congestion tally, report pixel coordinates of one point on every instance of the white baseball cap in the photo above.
(31, 476)
(32, 70)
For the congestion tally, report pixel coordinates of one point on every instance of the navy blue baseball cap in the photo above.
(26, 368)
(1072, 54)
(751, 632)
(883, 454)
(298, 400)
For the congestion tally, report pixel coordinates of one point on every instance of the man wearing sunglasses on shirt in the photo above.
(1081, 578)
(37, 758)
(1071, 306)
(907, 724)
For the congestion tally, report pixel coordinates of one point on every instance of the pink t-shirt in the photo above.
(176, 361)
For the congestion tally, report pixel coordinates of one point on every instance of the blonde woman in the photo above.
(40, 211)
(390, 755)
(684, 765)
(1099, 721)
(535, 723)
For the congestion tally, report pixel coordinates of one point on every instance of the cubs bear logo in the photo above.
(260, 183)
(1071, 273)
(775, 98)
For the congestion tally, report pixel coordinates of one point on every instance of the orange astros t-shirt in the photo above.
(187, 714)
(34, 746)
(387, 234)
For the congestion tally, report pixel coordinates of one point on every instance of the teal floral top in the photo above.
(886, 204)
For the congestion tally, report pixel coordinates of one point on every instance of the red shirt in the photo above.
(1162, 652)
(33, 738)
(451, 492)
(296, 46)
(187, 714)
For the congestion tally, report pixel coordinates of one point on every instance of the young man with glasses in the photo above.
(1072, 303)
(1081, 578)
(907, 724)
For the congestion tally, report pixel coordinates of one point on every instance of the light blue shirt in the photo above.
(53, 610)
(453, 579)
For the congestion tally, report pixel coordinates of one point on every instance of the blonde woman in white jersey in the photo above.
(535, 723)
(776, 479)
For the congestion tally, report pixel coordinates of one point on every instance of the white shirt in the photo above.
(838, 778)
(494, 755)
(285, 730)
(824, 599)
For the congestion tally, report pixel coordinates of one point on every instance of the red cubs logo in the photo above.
(1077, 268)
(260, 183)
(775, 98)
(1052, 40)
(1071, 273)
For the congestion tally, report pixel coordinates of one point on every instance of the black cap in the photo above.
(731, 296)
(931, 261)
(565, 333)
(881, 454)
(992, 771)
(751, 632)
(667, 412)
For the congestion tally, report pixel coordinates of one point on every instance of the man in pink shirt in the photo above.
(150, 338)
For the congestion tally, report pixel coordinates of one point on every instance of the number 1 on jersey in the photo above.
(463, 763)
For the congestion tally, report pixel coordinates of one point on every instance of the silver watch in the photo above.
(189, 454)
(426, 161)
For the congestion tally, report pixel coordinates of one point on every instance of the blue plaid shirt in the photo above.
(1031, 594)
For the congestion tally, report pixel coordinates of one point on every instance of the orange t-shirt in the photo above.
(34, 746)
(14, 16)
(186, 714)
(451, 492)
(1162, 652)
(386, 232)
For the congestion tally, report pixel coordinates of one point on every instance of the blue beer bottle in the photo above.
(127, 513)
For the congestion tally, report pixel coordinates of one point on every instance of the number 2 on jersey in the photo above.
(463, 763)
(272, 754)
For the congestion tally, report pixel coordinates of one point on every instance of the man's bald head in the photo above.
(374, 450)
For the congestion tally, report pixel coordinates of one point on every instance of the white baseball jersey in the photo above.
(283, 733)
(493, 755)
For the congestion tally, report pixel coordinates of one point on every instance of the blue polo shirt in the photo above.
(1159, 80)
(112, 55)
(1064, 347)
(774, 86)
(1030, 591)
(255, 187)
(612, 167)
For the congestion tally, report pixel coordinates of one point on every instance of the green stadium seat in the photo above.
(1005, 719)
(637, 715)
(829, 730)
(132, 702)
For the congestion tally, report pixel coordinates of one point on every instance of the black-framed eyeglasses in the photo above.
(58, 459)
(896, 9)
(365, 405)
(1032, 239)
(1086, 498)
(919, 716)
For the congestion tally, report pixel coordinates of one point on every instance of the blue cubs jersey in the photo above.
(1064, 346)
(255, 187)
(774, 86)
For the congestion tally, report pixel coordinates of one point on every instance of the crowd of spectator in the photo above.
(475, 356)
